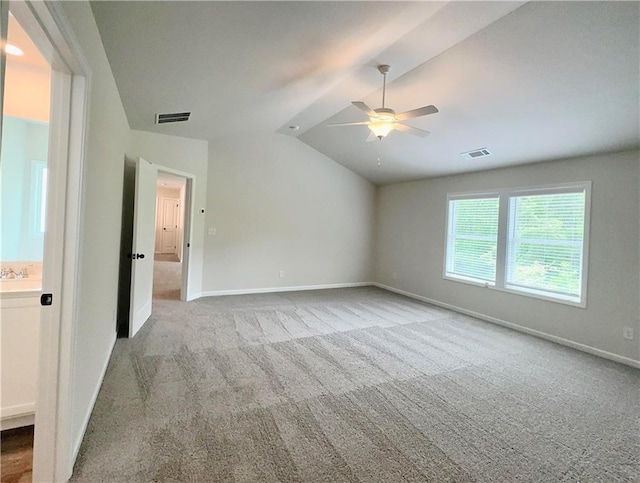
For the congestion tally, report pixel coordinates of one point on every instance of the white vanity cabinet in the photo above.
(19, 343)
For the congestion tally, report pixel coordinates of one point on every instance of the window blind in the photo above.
(472, 238)
(545, 242)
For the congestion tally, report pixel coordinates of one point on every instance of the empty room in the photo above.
(321, 241)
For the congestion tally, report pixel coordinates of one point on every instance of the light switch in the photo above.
(212, 231)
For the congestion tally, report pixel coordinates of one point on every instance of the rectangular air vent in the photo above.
(173, 117)
(476, 153)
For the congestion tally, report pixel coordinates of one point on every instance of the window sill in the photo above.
(530, 293)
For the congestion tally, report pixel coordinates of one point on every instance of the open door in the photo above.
(144, 216)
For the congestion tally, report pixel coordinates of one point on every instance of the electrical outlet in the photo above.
(627, 333)
(211, 231)
(281, 274)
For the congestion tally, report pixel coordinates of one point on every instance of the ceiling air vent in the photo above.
(173, 117)
(476, 153)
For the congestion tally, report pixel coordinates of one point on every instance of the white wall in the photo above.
(411, 237)
(108, 134)
(277, 204)
(186, 155)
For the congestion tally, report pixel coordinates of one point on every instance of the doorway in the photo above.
(51, 213)
(171, 193)
(24, 185)
(146, 273)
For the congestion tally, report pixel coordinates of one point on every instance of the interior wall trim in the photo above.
(295, 288)
(18, 421)
(520, 328)
(17, 410)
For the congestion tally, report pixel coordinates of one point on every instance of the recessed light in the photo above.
(13, 50)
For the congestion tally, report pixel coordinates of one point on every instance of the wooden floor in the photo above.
(17, 455)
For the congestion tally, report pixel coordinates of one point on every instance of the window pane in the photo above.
(472, 240)
(545, 242)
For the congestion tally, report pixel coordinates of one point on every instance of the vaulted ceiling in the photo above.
(529, 81)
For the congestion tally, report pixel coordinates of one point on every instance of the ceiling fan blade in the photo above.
(359, 123)
(364, 108)
(371, 137)
(412, 130)
(422, 111)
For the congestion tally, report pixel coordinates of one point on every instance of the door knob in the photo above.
(140, 255)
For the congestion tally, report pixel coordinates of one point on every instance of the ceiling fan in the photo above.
(384, 120)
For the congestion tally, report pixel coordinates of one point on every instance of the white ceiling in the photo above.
(531, 82)
(17, 36)
(166, 180)
(27, 78)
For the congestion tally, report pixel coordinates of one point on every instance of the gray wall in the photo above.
(102, 209)
(411, 237)
(277, 204)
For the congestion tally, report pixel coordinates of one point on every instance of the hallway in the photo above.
(167, 277)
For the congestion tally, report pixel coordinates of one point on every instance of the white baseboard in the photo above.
(20, 421)
(17, 416)
(94, 396)
(18, 410)
(297, 288)
(520, 328)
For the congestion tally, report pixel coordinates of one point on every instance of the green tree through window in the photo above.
(545, 242)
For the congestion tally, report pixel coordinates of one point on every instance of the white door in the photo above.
(170, 208)
(144, 215)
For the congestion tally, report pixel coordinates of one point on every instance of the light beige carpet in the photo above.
(354, 385)
(167, 279)
(166, 257)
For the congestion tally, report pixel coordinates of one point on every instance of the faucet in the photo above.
(8, 273)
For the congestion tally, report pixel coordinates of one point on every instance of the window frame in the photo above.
(38, 198)
(461, 197)
(504, 215)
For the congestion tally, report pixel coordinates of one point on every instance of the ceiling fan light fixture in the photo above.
(384, 120)
(381, 128)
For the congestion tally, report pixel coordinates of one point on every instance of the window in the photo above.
(530, 241)
(473, 238)
(39, 174)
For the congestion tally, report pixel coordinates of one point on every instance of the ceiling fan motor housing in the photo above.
(385, 114)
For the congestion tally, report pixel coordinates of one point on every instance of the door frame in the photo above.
(48, 27)
(187, 227)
